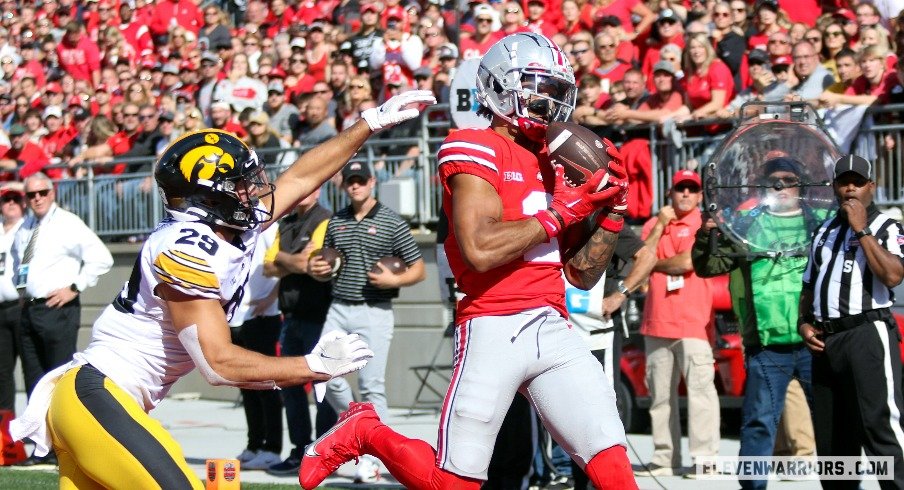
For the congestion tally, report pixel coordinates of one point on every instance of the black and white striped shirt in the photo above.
(838, 273)
(381, 233)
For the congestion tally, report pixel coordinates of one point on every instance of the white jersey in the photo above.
(585, 310)
(134, 342)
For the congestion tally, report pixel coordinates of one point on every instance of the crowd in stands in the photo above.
(90, 82)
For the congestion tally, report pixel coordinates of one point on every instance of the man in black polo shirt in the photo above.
(855, 261)
(364, 232)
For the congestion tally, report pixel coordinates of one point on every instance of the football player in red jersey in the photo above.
(509, 211)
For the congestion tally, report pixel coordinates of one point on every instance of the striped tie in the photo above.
(30, 248)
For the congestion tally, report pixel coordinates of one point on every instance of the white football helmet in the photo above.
(526, 79)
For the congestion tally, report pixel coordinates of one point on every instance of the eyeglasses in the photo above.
(779, 41)
(129, 114)
(814, 39)
(297, 60)
(6, 62)
(606, 46)
(834, 34)
(721, 14)
(210, 13)
(104, 10)
(668, 22)
(34, 194)
(484, 21)
(739, 10)
(251, 44)
(145, 117)
(579, 52)
(512, 11)
(137, 90)
(146, 78)
(431, 34)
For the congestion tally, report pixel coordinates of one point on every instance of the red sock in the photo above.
(610, 469)
(413, 462)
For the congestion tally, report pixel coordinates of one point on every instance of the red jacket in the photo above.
(80, 60)
(32, 158)
(182, 12)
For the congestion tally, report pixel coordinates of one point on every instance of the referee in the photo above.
(855, 261)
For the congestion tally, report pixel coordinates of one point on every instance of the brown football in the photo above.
(331, 256)
(578, 150)
(392, 264)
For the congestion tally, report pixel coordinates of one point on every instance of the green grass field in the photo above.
(38, 480)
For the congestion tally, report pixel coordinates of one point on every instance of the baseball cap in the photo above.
(782, 164)
(17, 130)
(423, 72)
(448, 50)
(484, 10)
(276, 86)
(259, 117)
(667, 14)
(79, 113)
(211, 57)
(53, 87)
(52, 111)
(845, 14)
(682, 176)
(298, 42)
(854, 163)
(545, 3)
(355, 169)
(167, 116)
(758, 57)
(317, 26)
(770, 4)
(186, 65)
(220, 104)
(663, 65)
(13, 188)
(170, 69)
(781, 60)
(370, 7)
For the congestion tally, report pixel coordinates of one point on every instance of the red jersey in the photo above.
(883, 90)
(612, 74)
(80, 60)
(55, 142)
(699, 87)
(138, 36)
(471, 48)
(32, 159)
(524, 182)
(182, 12)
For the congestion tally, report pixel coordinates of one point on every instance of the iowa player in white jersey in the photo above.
(171, 315)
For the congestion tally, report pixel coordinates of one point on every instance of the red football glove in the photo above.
(572, 204)
(618, 177)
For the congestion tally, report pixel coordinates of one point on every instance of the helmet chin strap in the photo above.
(534, 130)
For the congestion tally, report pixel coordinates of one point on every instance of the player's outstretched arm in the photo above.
(203, 330)
(320, 163)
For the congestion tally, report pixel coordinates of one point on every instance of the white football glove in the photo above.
(337, 354)
(394, 111)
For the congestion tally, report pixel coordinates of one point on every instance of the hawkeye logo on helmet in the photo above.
(201, 163)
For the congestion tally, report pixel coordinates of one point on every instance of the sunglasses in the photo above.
(606, 46)
(11, 198)
(579, 52)
(721, 14)
(782, 181)
(692, 188)
(834, 34)
(483, 21)
(34, 194)
(512, 11)
(779, 41)
(129, 114)
(297, 60)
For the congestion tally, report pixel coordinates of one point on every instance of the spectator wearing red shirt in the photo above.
(279, 18)
(624, 10)
(119, 143)
(584, 55)
(572, 21)
(170, 13)
(708, 82)
(135, 33)
(58, 136)
(611, 69)
(221, 118)
(513, 19)
(666, 102)
(31, 66)
(536, 18)
(23, 156)
(106, 16)
(766, 18)
(298, 81)
(78, 55)
(483, 37)
(779, 44)
(626, 51)
(876, 84)
(669, 31)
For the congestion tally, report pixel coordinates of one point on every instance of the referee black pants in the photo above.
(857, 398)
(48, 336)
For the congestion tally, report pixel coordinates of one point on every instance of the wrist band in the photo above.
(549, 223)
(609, 224)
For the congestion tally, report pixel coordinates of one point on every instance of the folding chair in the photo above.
(434, 378)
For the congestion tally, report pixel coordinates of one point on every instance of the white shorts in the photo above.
(537, 353)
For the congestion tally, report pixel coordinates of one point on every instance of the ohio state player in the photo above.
(508, 209)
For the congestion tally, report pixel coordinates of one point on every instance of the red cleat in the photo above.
(338, 446)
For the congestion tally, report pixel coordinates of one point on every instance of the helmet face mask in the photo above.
(212, 176)
(526, 80)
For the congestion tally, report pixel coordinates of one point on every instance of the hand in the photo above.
(383, 279)
(811, 334)
(393, 110)
(666, 215)
(572, 204)
(59, 297)
(618, 177)
(612, 303)
(320, 269)
(709, 224)
(338, 353)
(856, 214)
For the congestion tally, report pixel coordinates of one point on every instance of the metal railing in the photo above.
(129, 205)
